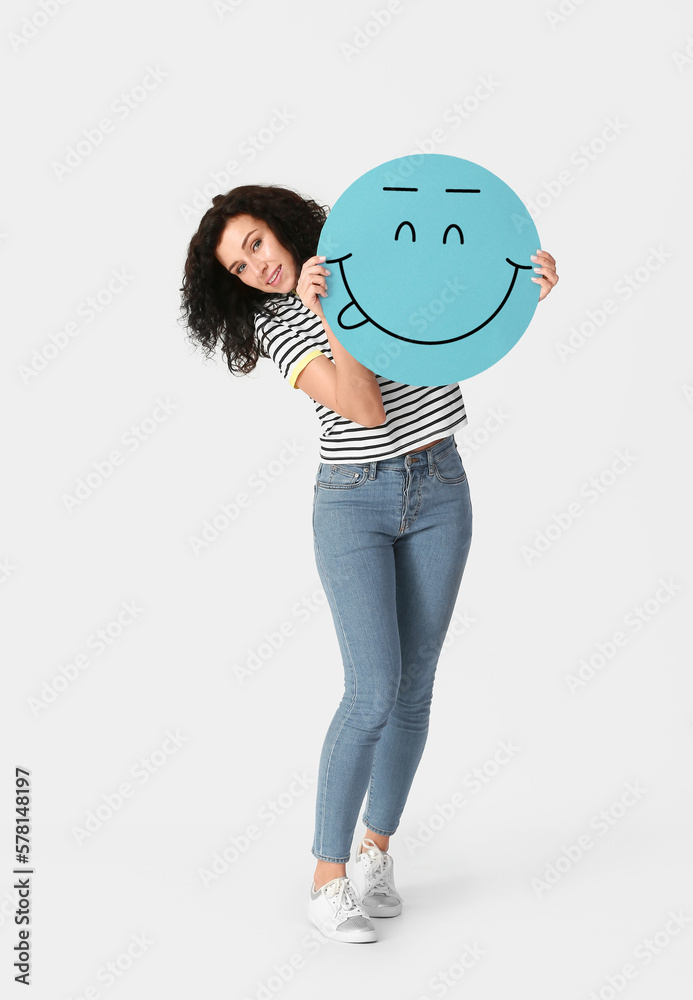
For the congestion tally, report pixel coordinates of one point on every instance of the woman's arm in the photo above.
(345, 386)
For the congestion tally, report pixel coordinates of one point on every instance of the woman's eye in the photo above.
(252, 246)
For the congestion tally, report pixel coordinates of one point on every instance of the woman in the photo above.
(392, 523)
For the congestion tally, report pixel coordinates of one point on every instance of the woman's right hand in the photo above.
(311, 285)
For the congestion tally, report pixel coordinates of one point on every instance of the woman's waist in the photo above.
(415, 455)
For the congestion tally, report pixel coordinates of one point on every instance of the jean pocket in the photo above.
(333, 476)
(449, 468)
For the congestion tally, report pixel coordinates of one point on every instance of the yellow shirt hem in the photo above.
(301, 365)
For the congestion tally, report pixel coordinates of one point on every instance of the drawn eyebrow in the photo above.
(447, 190)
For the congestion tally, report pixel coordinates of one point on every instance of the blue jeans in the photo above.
(391, 542)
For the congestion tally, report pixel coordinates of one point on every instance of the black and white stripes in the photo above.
(415, 414)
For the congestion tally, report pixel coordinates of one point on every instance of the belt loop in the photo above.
(429, 456)
(372, 470)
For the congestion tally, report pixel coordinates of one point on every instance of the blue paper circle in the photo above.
(430, 269)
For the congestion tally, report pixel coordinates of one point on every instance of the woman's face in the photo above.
(249, 249)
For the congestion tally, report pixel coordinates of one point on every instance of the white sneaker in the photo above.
(374, 872)
(336, 912)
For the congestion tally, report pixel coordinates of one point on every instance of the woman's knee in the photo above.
(370, 712)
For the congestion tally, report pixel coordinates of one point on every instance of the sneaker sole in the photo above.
(380, 911)
(348, 937)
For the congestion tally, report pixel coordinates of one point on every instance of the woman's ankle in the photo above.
(379, 839)
(325, 871)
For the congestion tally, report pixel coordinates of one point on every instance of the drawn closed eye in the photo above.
(453, 226)
(413, 234)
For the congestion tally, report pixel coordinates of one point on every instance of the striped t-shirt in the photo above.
(415, 414)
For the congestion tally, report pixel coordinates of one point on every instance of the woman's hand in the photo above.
(548, 271)
(311, 285)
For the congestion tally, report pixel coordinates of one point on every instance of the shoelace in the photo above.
(377, 869)
(347, 902)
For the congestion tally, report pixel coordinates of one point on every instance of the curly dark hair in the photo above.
(216, 305)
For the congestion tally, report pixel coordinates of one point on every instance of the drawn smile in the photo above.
(354, 305)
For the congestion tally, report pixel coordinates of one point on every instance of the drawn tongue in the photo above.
(351, 316)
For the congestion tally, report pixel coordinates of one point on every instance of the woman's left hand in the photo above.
(547, 270)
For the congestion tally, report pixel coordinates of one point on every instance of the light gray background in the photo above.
(131, 205)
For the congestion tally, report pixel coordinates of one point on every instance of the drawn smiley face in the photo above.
(430, 269)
